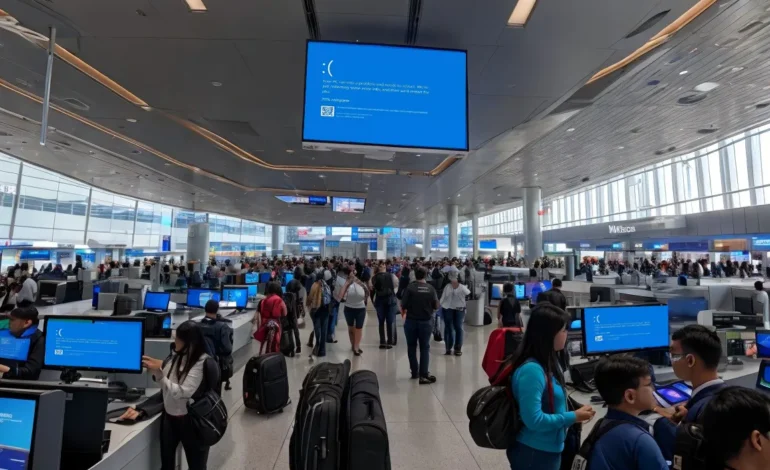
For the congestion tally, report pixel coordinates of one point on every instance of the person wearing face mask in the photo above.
(695, 351)
(23, 326)
(736, 430)
(180, 376)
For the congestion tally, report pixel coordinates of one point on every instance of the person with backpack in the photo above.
(219, 341)
(736, 430)
(539, 389)
(356, 296)
(319, 304)
(695, 352)
(621, 440)
(180, 376)
(384, 285)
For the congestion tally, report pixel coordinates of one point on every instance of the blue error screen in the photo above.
(385, 95)
(613, 329)
(17, 421)
(95, 344)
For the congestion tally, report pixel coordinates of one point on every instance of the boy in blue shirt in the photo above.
(625, 442)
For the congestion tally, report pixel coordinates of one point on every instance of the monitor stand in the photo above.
(70, 376)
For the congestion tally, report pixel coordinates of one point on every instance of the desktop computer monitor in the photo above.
(600, 294)
(13, 348)
(197, 298)
(157, 301)
(109, 344)
(251, 278)
(744, 305)
(30, 428)
(763, 343)
(616, 329)
(287, 278)
(686, 308)
(252, 290)
(576, 318)
(234, 297)
(156, 324)
(520, 290)
(763, 377)
(497, 291)
(283, 288)
(264, 278)
(85, 413)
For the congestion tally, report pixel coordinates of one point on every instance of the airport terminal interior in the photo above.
(311, 192)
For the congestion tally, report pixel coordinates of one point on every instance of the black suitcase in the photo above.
(365, 440)
(287, 337)
(315, 441)
(266, 383)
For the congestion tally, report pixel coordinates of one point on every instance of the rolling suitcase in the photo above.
(315, 441)
(266, 383)
(365, 438)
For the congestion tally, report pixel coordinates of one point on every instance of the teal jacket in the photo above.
(543, 429)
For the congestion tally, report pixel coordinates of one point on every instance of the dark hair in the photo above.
(27, 312)
(729, 419)
(556, 283)
(545, 322)
(191, 334)
(615, 375)
(701, 341)
(212, 306)
(346, 270)
(508, 287)
(420, 273)
(759, 285)
(273, 288)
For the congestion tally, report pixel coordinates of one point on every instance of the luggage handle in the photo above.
(323, 448)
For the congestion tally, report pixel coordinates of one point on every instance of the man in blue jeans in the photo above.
(418, 303)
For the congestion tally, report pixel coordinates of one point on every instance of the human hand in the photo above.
(4, 369)
(131, 414)
(665, 412)
(151, 363)
(585, 413)
(679, 414)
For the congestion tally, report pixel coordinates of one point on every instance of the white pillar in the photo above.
(533, 246)
(275, 240)
(451, 217)
(475, 222)
(425, 239)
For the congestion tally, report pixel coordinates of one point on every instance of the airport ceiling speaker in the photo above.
(371, 98)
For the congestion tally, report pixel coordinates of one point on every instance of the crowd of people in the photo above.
(673, 267)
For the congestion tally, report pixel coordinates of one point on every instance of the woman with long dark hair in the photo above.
(539, 389)
(179, 377)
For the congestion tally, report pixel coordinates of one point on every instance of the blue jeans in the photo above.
(418, 331)
(386, 314)
(453, 324)
(333, 321)
(320, 327)
(523, 457)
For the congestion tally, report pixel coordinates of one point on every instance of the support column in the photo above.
(476, 241)
(426, 239)
(533, 246)
(275, 240)
(451, 217)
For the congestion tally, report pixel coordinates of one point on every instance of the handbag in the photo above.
(572, 440)
(206, 411)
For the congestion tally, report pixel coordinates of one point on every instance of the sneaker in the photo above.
(356, 353)
(383, 346)
(360, 351)
(428, 379)
(310, 345)
(414, 376)
(448, 353)
(299, 349)
(458, 353)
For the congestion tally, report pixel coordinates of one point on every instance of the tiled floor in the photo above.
(427, 425)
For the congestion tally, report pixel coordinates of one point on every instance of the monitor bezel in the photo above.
(21, 395)
(199, 289)
(154, 310)
(233, 286)
(586, 353)
(374, 145)
(762, 366)
(756, 341)
(94, 319)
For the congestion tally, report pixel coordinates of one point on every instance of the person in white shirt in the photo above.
(762, 297)
(179, 378)
(28, 292)
(453, 308)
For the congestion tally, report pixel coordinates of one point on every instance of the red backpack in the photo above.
(503, 342)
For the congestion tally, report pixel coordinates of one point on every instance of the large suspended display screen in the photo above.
(348, 204)
(386, 96)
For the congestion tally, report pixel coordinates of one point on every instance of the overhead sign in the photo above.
(488, 244)
(616, 229)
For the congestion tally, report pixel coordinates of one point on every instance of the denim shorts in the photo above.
(355, 316)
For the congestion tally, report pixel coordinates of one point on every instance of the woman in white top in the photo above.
(179, 379)
(354, 296)
(453, 309)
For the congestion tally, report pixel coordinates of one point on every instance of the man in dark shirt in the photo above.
(23, 326)
(509, 309)
(417, 306)
(554, 296)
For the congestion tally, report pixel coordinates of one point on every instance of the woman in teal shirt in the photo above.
(538, 387)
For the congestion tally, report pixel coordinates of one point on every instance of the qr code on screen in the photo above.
(327, 111)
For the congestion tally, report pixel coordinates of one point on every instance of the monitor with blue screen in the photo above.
(520, 290)
(110, 344)
(13, 348)
(157, 301)
(763, 378)
(283, 288)
(686, 307)
(534, 288)
(671, 395)
(264, 278)
(17, 431)
(497, 291)
(251, 278)
(609, 330)
(404, 96)
(252, 290)
(763, 343)
(287, 278)
(197, 298)
(234, 297)
(95, 296)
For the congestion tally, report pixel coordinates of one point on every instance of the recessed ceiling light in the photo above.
(571, 129)
(322, 176)
(388, 205)
(458, 195)
(130, 119)
(167, 164)
(403, 194)
(706, 87)
(216, 84)
(289, 151)
(620, 147)
(196, 6)
(683, 72)
(418, 154)
(521, 13)
(535, 174)
(517, 159)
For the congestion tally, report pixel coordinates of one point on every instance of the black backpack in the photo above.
(385, 284)
(494, 417)
(689, 448)
(602, 427)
